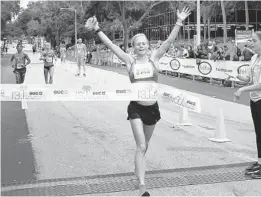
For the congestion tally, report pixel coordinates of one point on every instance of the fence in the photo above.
(205, 69)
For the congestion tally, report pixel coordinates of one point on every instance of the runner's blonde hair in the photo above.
(136, 36)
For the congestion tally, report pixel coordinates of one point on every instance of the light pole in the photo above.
(198, 23)
(75, 21)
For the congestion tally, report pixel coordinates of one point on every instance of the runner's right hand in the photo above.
(92, 23)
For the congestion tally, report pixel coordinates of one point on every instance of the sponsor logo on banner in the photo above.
(224, 70)
(188, 66)
(175, 64)
(83, 93)
(99, 93)
(124, 91)
(243, 69)
(204, 68)
(34, 95)
(179, 100)
(60, 92)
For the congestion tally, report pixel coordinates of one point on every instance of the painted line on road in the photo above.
(24, 104)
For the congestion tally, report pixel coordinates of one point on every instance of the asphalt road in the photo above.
(216, 91)
(17, 155)
(17, 160)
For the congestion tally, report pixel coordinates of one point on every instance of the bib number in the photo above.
(19, 63)
(49, 59)
(141, 73)
(19, 66)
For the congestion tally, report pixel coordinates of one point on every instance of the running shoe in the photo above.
(257, 175)
(77, 75)
(143, 191)
(253, 168)
(84, 75)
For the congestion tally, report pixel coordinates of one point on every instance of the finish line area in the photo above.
(71, 140)
(112, 183)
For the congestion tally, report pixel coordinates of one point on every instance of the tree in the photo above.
(9, 9)
(224, 21)
(124, 15)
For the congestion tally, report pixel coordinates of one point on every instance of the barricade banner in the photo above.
(129, 92)
(219, 69)
(179, 98)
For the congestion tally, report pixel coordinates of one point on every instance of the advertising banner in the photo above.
(219, 69)
(130, 92)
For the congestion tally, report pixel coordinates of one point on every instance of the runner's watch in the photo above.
(98, 30)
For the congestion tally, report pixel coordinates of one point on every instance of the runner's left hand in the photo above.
(184, 14)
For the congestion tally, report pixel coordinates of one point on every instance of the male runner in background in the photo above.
(19, 63)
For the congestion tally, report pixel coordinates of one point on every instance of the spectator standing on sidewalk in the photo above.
(226, 53)
(254, 78)
(235, 52)
(199, 53)
(185, 53)
(247, 52)
(88, 57)
(63, 53)
(81, 56)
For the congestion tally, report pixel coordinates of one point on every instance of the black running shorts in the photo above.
(149, 115)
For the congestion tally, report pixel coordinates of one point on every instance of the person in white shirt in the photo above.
(254, 78)
(81, 51)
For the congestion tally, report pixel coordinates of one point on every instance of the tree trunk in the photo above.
(247, 15)
(188, 30)
(209, 29)
(205, 25)
(224, 21)
(125, 27)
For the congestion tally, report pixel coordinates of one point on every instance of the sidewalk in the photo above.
(88, 138)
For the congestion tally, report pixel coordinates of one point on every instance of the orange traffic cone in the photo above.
(220, 132)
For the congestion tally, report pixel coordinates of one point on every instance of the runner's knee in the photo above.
(142, 148)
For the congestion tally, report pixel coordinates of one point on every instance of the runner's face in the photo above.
(141, 45)
(48, 46)
(19, 48)
(256, 44)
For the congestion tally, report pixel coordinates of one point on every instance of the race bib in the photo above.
(19, 63)
(19, 66)
(141, 72)
(49, 59)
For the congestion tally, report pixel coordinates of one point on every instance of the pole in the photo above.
(75, 33)
(198, 22)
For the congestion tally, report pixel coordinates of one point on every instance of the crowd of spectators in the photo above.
(212, 51)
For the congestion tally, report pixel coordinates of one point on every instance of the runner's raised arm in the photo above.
(167, 43)
(92, 24)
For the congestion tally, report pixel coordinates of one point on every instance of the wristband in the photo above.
(179, 22)
(98, 30)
